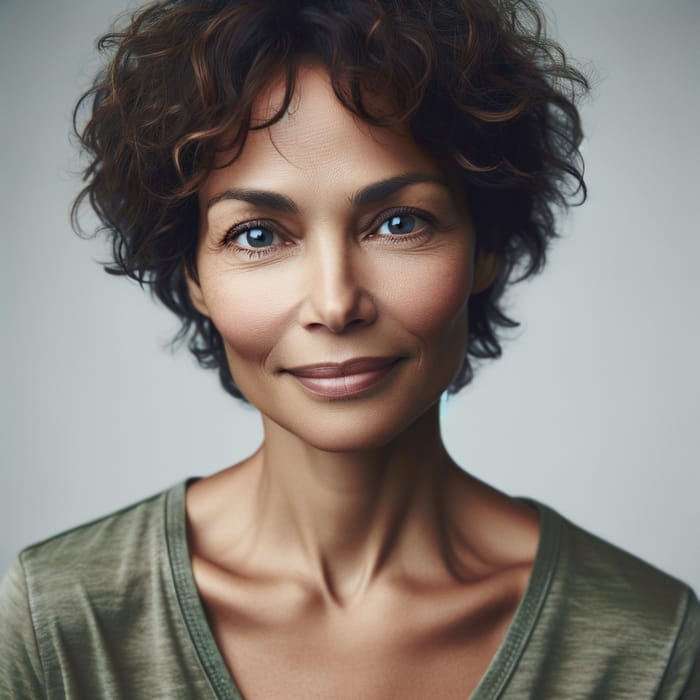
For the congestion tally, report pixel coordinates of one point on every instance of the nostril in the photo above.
(357, 322)
(336, 299)
(340, 325)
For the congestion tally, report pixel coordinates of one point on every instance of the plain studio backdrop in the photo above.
(593, 407)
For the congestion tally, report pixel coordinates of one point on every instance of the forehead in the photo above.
(317, 142)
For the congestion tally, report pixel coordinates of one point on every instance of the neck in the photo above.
(348, 518)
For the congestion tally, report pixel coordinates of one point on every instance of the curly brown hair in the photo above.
(481, 86)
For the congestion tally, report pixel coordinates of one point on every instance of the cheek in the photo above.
(430, 298)
(250, 315)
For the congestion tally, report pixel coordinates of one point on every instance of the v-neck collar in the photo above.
(492, 683)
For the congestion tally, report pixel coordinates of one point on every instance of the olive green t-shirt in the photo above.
(110, 610)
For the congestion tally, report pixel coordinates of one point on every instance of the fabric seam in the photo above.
(674, 646)
(527, 615)
(35, 625)
(221, 685)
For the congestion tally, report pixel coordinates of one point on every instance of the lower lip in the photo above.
(346, 386)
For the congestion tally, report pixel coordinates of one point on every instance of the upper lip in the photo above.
(343, 369)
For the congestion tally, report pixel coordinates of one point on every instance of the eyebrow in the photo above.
(376, 192)
(258, 198)
(383, 189)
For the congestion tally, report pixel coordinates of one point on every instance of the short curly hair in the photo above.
(479, 83)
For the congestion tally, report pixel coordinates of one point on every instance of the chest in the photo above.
(406, 649)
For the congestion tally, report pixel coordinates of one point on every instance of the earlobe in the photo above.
(486, 268)
(195, 292)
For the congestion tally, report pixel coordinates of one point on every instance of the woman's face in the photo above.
(336, 262)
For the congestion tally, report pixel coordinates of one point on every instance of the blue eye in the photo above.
(256, 237)
(399, 224)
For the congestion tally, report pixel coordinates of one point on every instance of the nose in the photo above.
(337, 297)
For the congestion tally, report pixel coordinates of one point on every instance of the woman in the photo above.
(333, 198)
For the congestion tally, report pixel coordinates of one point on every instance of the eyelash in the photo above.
(229, 239)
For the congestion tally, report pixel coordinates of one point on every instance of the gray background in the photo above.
(593, 408)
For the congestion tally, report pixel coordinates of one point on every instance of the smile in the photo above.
(346, 379)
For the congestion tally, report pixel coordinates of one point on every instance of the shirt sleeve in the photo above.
(681, 680)
(21, 674)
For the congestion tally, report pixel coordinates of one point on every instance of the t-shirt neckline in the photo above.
(492, 683)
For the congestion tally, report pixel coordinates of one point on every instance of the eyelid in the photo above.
(229, 238)
(236, 230)
(387, 214)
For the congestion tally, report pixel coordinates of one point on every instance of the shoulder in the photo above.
(102, 551)
(605, 580)
(95, 612)
(105, 568)
(62, 592)
(609, 621)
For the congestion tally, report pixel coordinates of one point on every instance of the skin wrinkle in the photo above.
(351, 525)
(409, 289)
(350, 536)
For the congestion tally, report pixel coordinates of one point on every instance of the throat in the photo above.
(350, 519)
(342, 589)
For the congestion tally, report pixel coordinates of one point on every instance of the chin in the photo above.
(349, 441)
(358, 428)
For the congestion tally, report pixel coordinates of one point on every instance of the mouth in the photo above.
(345, 379)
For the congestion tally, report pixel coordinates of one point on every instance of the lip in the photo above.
(344, 379)
(357, 365)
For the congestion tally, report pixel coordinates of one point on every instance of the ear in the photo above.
(486, 268)
(195, 292)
